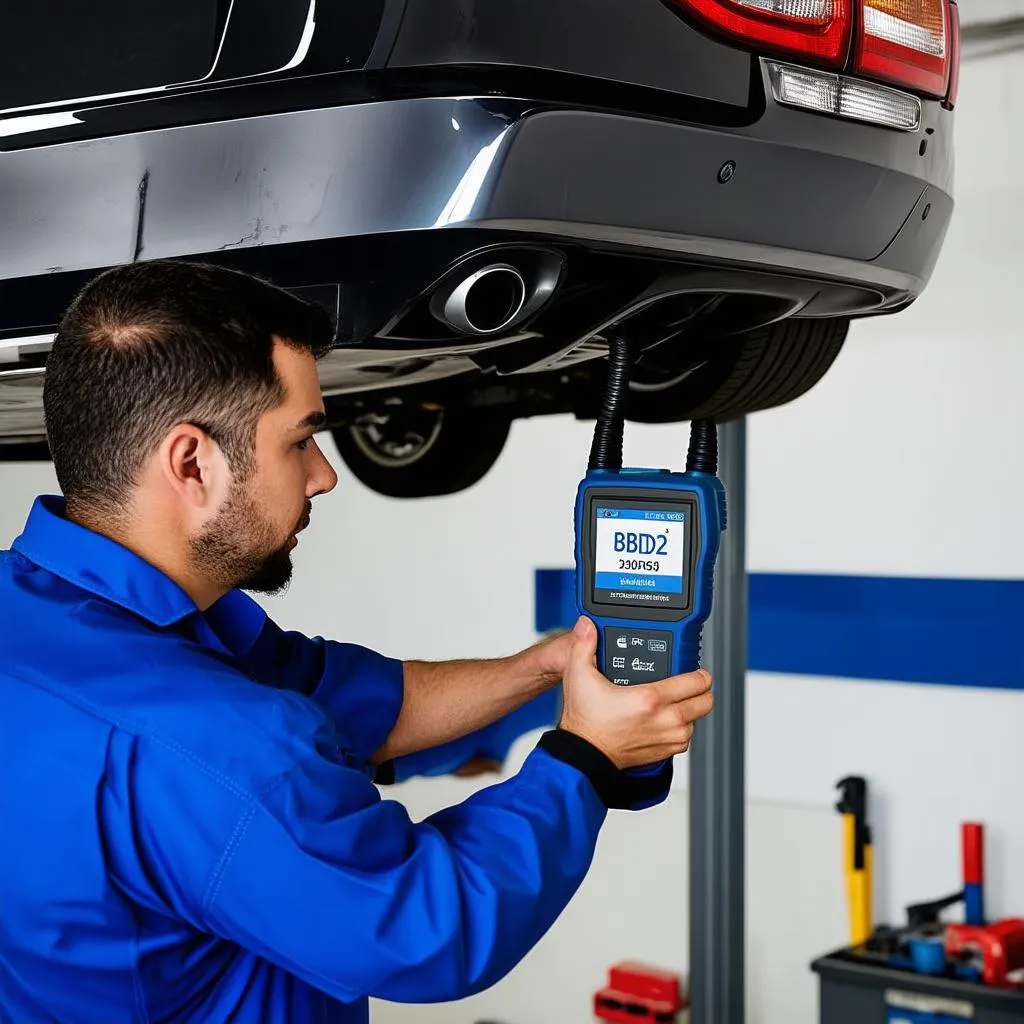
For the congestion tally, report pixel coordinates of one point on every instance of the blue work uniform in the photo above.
(191, 827)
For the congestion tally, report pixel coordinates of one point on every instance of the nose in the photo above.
(321, 477)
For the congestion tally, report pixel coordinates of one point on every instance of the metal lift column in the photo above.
(717, 770)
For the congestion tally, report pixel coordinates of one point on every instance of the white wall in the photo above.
(973, 12)
(916, 405)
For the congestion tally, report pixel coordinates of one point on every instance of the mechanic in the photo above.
(192, 829)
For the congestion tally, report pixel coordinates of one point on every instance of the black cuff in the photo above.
(617, 790)
(384, 774)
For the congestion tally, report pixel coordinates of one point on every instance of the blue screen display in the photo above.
(639, 554)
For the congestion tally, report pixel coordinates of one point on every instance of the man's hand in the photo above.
(549, 659)
(631, 725)
(478, 766)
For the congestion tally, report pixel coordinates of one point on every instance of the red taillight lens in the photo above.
(954, 57)
(818, 30)
(906, 42)
(910, 43)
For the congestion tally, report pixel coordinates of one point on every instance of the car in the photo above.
(484, 193)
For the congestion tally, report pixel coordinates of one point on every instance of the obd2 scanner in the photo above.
(646, 545)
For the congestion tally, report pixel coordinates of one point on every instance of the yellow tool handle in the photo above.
(849, 826)
(860, 930)
(859, 884)
(858, 858)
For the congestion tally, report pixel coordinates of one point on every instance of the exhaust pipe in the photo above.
(486, 302)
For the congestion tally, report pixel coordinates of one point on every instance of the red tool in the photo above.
(972, 842)
(637, 993)
(999, 946)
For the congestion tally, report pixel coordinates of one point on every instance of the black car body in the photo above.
(483, 191)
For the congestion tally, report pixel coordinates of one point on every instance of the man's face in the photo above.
(249, 542)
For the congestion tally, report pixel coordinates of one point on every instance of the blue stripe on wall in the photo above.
(957, 632)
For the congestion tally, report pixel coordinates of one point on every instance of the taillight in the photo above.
(906, 42)
(913, 44)
(954, 57)
(817, 30)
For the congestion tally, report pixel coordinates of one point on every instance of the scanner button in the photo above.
(637, 655)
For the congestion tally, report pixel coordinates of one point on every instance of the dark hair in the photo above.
(147, 346)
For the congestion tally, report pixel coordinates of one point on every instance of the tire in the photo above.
(29, 451)
(747, 373)
(456, 447)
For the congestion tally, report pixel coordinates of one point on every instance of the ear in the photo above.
(194, 466)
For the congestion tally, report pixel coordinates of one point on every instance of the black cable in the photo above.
(606, 451)
(703, 454)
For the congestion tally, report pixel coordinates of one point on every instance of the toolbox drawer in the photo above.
(853, 990)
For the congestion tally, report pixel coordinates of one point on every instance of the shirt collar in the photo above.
(237, 621)
(99, 565)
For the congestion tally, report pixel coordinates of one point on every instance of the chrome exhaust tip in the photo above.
(487, 301)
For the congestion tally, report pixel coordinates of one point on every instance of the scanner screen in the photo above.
(639, 556)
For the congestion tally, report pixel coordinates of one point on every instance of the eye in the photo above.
(303, 444)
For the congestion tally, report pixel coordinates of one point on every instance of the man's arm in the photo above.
(444, 701)
(483, 752)
(356, 898)
(385, 708)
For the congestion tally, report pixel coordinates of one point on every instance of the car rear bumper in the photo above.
(805, 196)
(860, 209)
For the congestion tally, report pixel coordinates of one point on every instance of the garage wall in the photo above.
(976, 12)
(919, 408)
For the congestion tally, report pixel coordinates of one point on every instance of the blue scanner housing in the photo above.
(647, 541)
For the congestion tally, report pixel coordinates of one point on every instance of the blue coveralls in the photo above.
(190, 828)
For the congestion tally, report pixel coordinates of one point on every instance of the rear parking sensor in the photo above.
(844, 97)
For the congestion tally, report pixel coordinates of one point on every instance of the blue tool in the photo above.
(646, 545)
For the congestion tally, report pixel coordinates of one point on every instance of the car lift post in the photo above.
(718, 769)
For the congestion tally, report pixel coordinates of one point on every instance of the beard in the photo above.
(240, 550)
